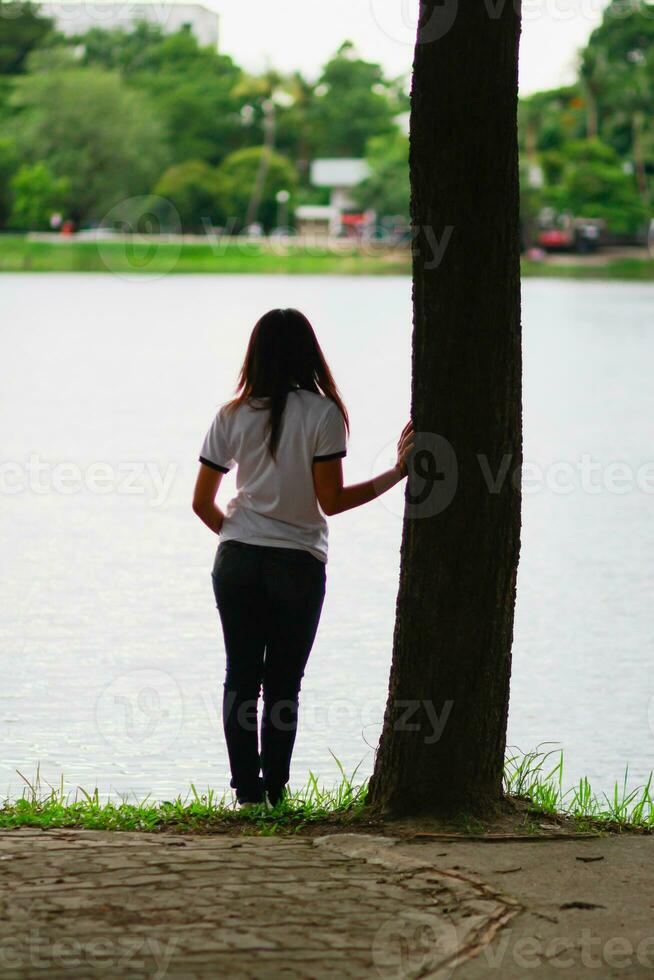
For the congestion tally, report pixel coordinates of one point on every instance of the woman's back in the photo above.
(275, 503)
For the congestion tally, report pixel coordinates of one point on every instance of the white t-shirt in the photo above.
(276, 503)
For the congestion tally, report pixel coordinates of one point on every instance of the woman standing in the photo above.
(286, 432)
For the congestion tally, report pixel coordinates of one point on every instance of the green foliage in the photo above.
(625, 35)
(593, 184)
(352, 103)
(617, 68)
(220, 255)
(93, 130)
(193, 190)
(546, 120)
(201, 812)
(111, 110)
(530, 202)
(610, 109)
(9, 161)
(36, 195)
(118, 50)
(537, 776)
(553, 165)
(191, 88)
(294, 137)
(386, 189)
(23, 30)
(236, 177)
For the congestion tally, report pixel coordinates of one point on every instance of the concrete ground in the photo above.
(125, 905)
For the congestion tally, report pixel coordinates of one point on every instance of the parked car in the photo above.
(564, 232)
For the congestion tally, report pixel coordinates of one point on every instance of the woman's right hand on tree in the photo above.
(404, 447)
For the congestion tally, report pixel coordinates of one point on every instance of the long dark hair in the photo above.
(283, 354)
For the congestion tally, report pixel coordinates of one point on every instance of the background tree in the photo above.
(549, 119)
(128, 52)
(452, 645)
(193, 89)
(9, 162)
(198, 105)
(593, 77)
(193, 190)
(386, 189)
(94, 131)
(236, 177)
(589, 181)
(294, 137)
(36, 194)
(632, 101)
(23, 31)
(352, 102)
(619, 57)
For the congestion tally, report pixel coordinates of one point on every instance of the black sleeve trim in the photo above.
(324, 459)
(214, 466)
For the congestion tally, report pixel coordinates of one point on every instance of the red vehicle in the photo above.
(563, 232)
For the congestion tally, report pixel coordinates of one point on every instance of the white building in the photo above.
(75, 17)
(317, 220)
(340, 174)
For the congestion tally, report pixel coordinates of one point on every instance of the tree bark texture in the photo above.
(443, 742)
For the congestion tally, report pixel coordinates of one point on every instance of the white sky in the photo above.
(304, 33)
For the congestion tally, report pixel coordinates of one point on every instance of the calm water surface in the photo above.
(110, 649)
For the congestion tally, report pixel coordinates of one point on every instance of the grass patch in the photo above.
(632, 269)
(535, 778)
(19, 253)
(198, 812)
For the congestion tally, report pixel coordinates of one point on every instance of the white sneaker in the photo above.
(245, 807)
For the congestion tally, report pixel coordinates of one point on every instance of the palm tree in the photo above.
(593, 76)
(266, 91)
(632, 97)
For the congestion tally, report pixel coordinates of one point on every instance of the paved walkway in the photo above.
(95, 904)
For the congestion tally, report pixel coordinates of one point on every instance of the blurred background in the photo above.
(248, 124)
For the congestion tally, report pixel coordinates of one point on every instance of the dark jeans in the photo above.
(269, 600)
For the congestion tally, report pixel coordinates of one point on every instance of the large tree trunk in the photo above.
(443, 743)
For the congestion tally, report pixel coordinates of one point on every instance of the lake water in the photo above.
(110, 648)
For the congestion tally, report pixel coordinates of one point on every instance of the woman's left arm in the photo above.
(204, 497)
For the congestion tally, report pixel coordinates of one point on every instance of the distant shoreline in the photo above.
(154, 257)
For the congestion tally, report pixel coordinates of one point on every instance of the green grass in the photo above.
(535, 777)
(641, 270)
(20, 254)
(197, 812)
